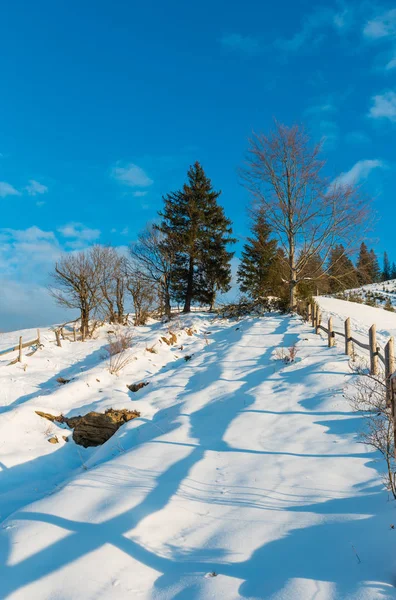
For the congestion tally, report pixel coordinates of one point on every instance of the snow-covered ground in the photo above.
(242, 479)
(381, 294)
(362, 317)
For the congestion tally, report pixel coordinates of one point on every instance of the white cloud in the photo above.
(27, 254)
(6, 189)
(131, 175)
(140, 194)
(312, 29)
(382, 26)
(357, 137)
(35, 187)
(360, 171)
(391, 64)
(384, 106)
(243, 44)
(27, 304)
(78, 235)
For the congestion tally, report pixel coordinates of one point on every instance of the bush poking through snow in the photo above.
(118, 349)
(152, 349)
(171, 340)
(368, 396)
(286, 355)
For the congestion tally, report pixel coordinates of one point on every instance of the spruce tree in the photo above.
(363, 266)
(255, 272)
(386, 272)
(314, 279)
(393, 271)
(195, 227)
(342, 274)
(374, 268)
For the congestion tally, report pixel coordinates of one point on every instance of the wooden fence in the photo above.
(21, 344)
(60, 334)
(311, 312)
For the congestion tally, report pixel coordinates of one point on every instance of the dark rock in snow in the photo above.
(135, 387)
(94, 429)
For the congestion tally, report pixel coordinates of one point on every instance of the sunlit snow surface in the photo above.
(243, 478)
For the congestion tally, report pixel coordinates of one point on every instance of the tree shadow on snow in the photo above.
(305, 552)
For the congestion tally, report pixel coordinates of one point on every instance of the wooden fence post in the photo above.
(74, 333)
(309, 312)
(314, 307)
(348, 337)
(38, 337)
(330, 332)
(390, 366)
(373, 350)
(318, 319)
(20, 350)
(393, 398)
(58, 340)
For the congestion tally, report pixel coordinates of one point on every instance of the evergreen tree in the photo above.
(363, 266)
(374, 268)
(256, 269)
(195, 227)
(386, 273)
(393, 271)
(314, 279)
(342, 274)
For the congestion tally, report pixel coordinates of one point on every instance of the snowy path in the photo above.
(239, 465)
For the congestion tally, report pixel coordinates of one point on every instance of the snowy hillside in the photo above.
(243, 478)
(381, 295)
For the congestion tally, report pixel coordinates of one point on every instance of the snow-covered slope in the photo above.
(362, 317)
(242, 479)
(381, 295)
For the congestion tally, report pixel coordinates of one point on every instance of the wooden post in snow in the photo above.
(58, 340)
(74, 333)
(38, 337)
(330, 332)
(390, 367)
(393, 400)
(318, 319)
(314, 307)
(373, 350)
(20, 350)
(348, 337)
(309, 312)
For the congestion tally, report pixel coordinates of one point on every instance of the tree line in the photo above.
(303, 232)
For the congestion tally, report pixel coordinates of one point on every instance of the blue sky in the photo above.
(104, 105)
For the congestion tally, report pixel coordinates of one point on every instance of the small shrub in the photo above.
(152, 349)
(118, 350)
(286, 355)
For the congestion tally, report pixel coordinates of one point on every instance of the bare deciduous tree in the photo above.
(308, 214)
(112, 281)
(153, 260)
(143, 294)
(76, 284)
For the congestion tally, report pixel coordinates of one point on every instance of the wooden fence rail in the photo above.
(21, 345)
(311, 313)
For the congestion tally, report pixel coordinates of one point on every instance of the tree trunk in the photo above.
(293, 275)
(120, 301)
(84, 322)
(166, 297)
(189, 291)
